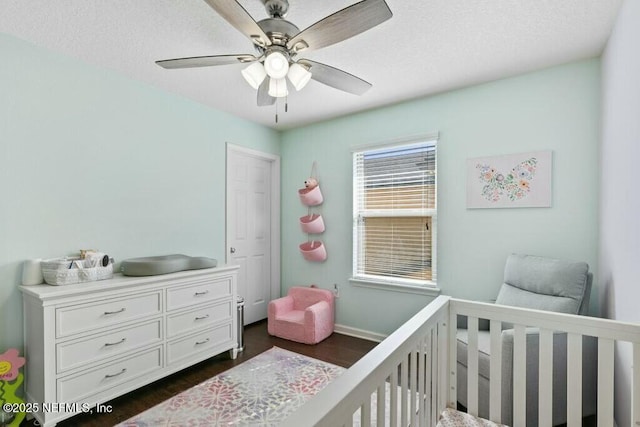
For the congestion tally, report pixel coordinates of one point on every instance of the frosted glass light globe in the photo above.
(276, 65)
(278, 88)
(299, 76)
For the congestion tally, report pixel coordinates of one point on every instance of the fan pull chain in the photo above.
(286, 105)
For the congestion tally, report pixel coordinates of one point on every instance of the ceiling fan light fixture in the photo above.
(276, 65)
(278, 88)
(299, 76)
(277, 43)
(254, 74)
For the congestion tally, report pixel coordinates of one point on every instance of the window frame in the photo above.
(383, 282)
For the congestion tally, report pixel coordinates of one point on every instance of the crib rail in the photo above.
(396, 383)
(578, 330)
(410, 377)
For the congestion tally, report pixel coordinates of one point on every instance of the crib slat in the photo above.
(605, 381)
(545, 372)
(380, 404)
(432, 377)
(425, 392)
(440, 365)
(365, 413)
(453, 362)
(439, 373)
(635, 391)
(495, 372)
(393, 398)
(404, 407)
(574, 380)
(519, 376)
(472, 366)
(420, 389)
(413, 369)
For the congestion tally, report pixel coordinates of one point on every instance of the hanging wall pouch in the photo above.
(312, 224)
(311, 195)
(313, 251)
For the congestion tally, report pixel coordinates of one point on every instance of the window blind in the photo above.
(394, 211)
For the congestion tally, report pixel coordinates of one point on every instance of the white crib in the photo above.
(419, 359)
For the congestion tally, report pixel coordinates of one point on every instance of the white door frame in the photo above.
(274, 160)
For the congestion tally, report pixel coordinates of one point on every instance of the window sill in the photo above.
(430, 290)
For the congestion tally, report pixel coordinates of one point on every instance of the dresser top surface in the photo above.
(119, 282)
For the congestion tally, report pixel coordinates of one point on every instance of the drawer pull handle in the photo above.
(107, 313)
(115, 375)
(202, 342)
(202, 317)
(201, 293)
(107, 344)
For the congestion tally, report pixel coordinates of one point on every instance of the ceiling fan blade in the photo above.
(336, 78)
(237, 16)
(205, 61)
(342, 25)
(264, 99)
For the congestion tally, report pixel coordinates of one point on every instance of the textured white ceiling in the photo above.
(427, 47)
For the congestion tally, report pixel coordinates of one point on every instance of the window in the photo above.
(394, 214)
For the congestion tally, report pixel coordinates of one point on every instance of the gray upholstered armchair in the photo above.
(543, 284)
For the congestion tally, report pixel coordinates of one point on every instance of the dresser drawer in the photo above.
(200, 292)
(196, 319)
(205, 340)
(86, 317)
(76, 353)
(71, 389)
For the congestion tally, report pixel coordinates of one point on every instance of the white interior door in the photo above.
(250, 228)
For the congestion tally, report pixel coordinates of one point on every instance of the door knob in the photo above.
(232, 250)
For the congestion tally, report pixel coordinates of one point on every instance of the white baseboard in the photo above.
(359, 333)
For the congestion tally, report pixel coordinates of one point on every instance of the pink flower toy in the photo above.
(10, 380)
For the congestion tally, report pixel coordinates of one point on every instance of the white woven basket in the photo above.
(57, 272)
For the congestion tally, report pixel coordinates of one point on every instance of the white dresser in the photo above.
(88, 343)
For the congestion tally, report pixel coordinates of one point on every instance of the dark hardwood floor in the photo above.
(338, 349)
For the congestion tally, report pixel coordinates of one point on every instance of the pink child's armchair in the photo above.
(305, 315)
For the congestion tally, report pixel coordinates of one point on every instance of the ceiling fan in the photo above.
(278, 43)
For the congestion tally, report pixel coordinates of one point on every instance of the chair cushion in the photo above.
(293, 316)
(544, 284)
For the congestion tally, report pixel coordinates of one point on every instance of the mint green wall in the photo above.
(556, 109)
(91, 159)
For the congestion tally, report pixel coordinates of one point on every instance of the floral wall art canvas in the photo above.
(510, 181)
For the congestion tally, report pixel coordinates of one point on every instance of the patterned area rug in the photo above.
(262, 391)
